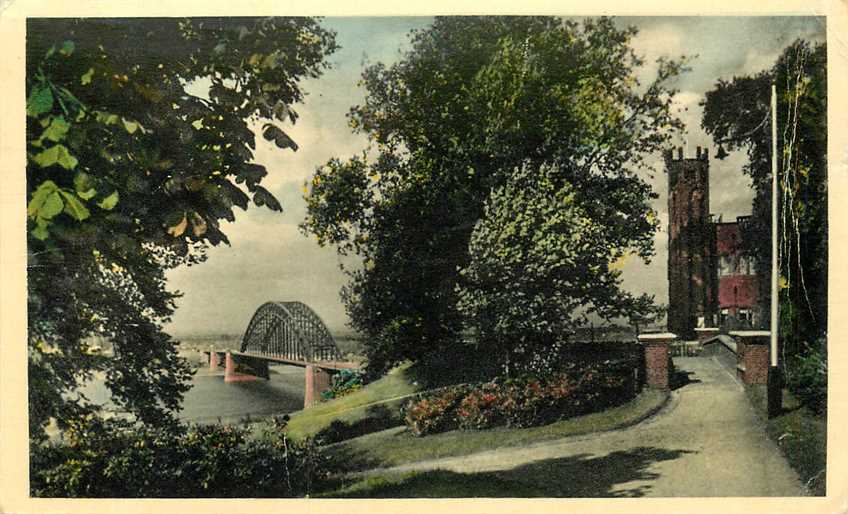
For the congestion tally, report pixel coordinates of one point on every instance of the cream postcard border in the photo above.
(13, 365)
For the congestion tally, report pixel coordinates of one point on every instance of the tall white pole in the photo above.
(774, 292)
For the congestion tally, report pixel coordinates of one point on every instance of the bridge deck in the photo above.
(334, 365)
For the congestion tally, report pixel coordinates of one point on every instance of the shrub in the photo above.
(434, 413)
(479, 408)
(344, 382)
(117, 459)
(806, 377)
(522, 402)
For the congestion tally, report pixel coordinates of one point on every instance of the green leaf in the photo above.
(52, 206)
(56, 154)
(263, 197)
(83, 181)
(109, 202)
(57, 129)
(40, 232)
(87, 194)
(131, 126)
(40, 196)
(70, 96)
(74, 207)
(67, 48)
(40, 100)
(46, 202)
(282, 140)
(251, 174)
(86, 78)
(107, 118)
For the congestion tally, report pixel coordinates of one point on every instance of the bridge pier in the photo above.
(214, 363)
(317, 381)
(234, 367)
(214, 358)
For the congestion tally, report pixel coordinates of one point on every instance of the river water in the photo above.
(210, 400)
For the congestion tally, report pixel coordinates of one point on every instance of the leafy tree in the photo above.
(474, 100)
(736, 114)
(539, 266)
(129, 174)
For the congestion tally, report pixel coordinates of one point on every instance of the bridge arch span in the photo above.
(289, 330)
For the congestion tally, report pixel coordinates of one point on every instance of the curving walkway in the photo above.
(707, 441)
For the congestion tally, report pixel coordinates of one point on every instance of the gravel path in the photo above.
(707, 441)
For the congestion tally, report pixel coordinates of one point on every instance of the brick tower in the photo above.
(691, 244)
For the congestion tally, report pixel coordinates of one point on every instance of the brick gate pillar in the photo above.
(752, 354)
(317, 381)
(657, 359)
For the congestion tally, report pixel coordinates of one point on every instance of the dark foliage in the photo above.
(736, 114)
(112, 459)
(129, 173)
(474, 100)
(806, 377)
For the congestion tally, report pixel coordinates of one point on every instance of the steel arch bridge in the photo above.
(289, 331)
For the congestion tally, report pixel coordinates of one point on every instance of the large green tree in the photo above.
(736, 114)
(139, 142)
(472, 101)
(540, 266)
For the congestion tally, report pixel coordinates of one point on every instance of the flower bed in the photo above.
(521, 402)
(436, 412)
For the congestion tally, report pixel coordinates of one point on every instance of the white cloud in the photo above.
(654, 42)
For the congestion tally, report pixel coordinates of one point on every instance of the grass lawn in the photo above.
(379, 401)
(397, 446)
(801, 435)
(437, 484)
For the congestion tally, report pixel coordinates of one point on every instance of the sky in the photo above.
(269, 259)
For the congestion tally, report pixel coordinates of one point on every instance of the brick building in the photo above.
(711, 278)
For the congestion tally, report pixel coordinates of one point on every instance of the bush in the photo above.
(344, 382)
(117, 459)
(435, 413)
(806, 377)
(521, 402)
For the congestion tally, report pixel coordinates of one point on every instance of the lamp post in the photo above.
(775, 378)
